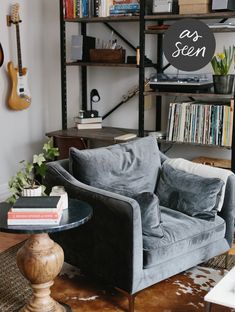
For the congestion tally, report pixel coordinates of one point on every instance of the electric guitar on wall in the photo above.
(19, 95)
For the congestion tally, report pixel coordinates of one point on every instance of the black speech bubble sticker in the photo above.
(189, 45)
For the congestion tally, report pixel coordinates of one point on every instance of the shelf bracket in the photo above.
(166, 66)
(120, 36)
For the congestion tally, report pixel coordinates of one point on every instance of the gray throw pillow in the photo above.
(193, 195)
(128, 168)
(150, 214)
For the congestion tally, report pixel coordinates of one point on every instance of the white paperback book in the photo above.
(97, 125)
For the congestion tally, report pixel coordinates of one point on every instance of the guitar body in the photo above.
(19, 95)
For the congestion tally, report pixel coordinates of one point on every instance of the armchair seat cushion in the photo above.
(182, 234)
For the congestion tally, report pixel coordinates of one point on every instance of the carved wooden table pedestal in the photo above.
(40, 259)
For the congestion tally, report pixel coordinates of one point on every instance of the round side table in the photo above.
(40, 259)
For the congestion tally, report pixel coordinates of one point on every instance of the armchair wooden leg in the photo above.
(208, 306)
(131, 299)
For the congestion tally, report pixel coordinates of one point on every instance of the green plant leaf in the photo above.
(222, 66)
(38, 159)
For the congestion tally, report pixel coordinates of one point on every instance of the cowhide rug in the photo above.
(181, 293)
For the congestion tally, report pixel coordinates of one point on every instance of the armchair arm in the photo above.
(228, 210)
(116, 225)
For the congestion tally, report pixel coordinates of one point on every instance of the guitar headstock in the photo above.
(15, 18)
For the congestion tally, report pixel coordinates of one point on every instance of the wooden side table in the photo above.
(223, 293)
(40, 259)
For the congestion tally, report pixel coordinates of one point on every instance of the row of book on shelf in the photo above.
(36, 210)
(201, 123)
(100, 8)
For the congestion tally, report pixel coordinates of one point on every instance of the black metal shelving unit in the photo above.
(159, 19)
(83, 65)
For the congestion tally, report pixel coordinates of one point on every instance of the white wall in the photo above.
(22, 133)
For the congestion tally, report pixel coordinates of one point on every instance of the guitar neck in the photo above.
(19, 50)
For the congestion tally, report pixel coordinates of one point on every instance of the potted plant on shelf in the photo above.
(221, 64)
(27, 181)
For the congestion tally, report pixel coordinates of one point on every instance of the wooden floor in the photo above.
(9, 240)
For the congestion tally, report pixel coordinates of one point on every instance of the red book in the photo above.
(34, 215)
(70, 9)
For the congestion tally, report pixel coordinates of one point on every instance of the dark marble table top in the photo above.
(77, 214)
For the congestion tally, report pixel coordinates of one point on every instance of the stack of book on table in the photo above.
(88, 123)
(36, 210)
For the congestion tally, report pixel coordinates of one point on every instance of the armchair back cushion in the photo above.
(191, 194)
(128, 168)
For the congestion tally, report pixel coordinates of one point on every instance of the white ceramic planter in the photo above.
(37, 191)
(59, 190)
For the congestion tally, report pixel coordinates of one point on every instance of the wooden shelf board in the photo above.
(103, 19)
(194, 144)
(215, 15)
(101, 64)
(215, 30)
(201, 95)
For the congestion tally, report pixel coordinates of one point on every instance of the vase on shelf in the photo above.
(223, 84)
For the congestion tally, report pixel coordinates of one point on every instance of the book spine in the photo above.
(123, 11)
(78, 8)
(172, 122)
(33, 221)
(25, 215)
(70, 8)
(231, 122)
(126, 6)
(96, 8)
(169, 121)
(65, 2)
(124, 1)
(85, 9)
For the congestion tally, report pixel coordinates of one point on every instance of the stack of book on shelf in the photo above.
(100, 8)
(88, 123)
(200, 123)
(36, 210)
(122, 8)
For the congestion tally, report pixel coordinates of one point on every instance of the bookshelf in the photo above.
(161, 19)
(142, 19)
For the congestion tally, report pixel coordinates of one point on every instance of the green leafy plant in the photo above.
(31, 174)
(221, 62)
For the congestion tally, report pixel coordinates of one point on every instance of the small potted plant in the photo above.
(221, 64)
(27, 181)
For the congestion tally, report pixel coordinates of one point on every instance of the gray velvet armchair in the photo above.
(113, 247)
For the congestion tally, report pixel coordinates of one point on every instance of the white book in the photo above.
(97, 125)
(172, 121)
(125, 137)
(87, 120)
(182, 122)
